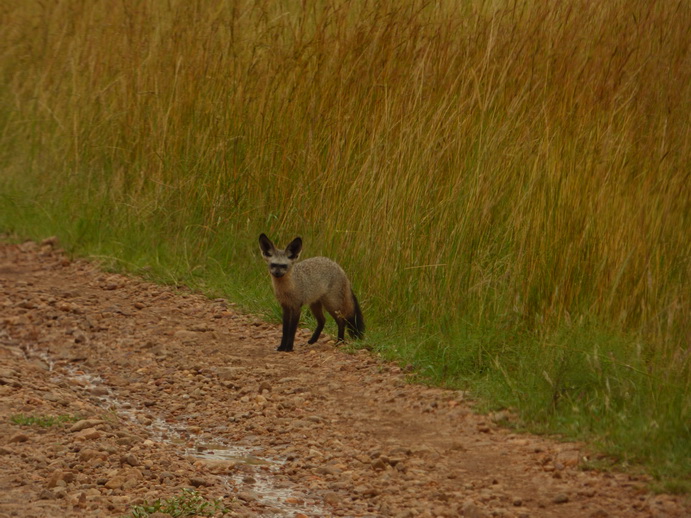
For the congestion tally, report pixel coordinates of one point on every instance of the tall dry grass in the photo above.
(494, 175)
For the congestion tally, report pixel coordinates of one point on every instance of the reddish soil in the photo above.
(172, 390)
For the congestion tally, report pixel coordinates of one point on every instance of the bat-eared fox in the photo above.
(317, 281)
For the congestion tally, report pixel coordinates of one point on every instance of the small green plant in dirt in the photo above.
(44, 421)
(188, 503)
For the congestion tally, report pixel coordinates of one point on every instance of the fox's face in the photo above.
(280, 261)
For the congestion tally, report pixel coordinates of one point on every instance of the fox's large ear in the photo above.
(294, 248)
(266, 246)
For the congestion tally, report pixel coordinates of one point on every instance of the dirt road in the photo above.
(167, 390)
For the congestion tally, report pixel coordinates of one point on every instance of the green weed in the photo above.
(42, 421)
(188, 503)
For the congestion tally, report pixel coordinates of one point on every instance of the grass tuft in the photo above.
(45, 421)
(188, 503)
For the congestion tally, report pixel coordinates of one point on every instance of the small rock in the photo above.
(500, 417)
(46, 494)
(99, 390)
(186, 337)
(470, 510)
(88, 454)
(569, 457)
(130, 459)
(201, 482)
(328, 470)
(166, 475)
(88, 434)
(84, 424)
(379, 464)
(116, 482)
(51, 241)
(19, 437)
(395, 461)
(228, 373)
(332, 498)
(560, 498)
(60, 478)
(125, 479)
(366, 491)
(247, 496)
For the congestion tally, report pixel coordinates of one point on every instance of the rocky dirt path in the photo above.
(172, 391)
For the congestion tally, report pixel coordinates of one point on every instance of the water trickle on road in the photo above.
(242, 466)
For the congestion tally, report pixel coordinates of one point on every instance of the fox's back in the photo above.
(319, 277)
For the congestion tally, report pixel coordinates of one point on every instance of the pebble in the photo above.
(88, 434)
(560, 498)
(130, 459)
(470, 510)
(247, 496)
(84, 424)
(200, 482)
(19, 437)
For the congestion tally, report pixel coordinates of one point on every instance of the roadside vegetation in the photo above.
(42, 421)
(188, 503)
(508, 184)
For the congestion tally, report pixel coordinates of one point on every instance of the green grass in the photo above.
(188, 503)
(507, 184)
(43, 421)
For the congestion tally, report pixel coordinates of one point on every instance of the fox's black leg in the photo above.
(291, 318)
(341, 330)
(295, 320)
(319, 315)
(340, 322)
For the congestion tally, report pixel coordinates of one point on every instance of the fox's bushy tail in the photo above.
(356, 323)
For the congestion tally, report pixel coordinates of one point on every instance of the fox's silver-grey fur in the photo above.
(319, 282)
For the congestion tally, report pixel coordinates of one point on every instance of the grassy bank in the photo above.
(508, 186)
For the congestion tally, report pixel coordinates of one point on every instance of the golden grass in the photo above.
(539, 151)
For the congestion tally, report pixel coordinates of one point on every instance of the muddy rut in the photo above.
(167, 390)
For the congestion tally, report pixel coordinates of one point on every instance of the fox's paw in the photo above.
(284, 349)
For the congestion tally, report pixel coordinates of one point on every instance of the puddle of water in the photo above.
(234, 454)
(263, 470)
(31, 353)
